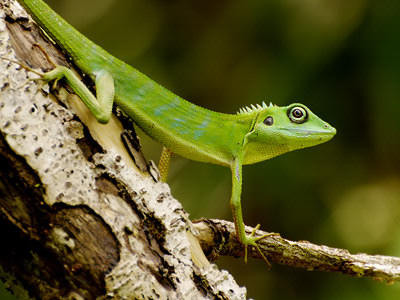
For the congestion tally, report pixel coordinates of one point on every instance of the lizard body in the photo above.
(252, 135)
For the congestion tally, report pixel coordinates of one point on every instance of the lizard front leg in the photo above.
(245, 239)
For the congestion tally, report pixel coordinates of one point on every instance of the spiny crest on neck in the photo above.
(252, 108)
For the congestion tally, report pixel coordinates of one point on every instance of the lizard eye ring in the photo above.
(297, 114)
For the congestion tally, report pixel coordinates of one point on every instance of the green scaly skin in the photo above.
(186, 129)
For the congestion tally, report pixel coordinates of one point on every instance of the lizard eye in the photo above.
(269, 121)
(297, 114)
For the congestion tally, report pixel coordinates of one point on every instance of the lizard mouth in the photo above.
(331, 132)
(309, 132)
(321, 135)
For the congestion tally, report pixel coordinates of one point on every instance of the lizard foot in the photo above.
(252, 241)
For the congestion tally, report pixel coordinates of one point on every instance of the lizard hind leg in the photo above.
(163, 164)
(100, 107)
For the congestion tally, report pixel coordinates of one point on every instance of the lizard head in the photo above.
(276, 130)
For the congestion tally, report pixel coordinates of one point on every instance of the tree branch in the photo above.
(217, 237)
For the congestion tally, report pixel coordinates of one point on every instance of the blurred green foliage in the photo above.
(340, 58)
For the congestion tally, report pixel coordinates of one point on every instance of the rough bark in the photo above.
(217, 238)
(80, 218)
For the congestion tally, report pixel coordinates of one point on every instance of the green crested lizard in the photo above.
(254, 134)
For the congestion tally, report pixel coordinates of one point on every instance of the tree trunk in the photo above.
(81, 217)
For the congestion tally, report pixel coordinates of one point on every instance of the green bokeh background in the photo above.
(340, 58)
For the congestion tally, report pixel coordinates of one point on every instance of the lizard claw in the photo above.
(252, 241)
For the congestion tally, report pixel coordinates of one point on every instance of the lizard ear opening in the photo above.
(269, 121)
